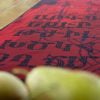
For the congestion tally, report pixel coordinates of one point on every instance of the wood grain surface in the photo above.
(12, 9)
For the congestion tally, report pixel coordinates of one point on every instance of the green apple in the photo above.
(12, 88)
(50, 83)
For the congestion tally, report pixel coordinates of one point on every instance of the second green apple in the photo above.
(46, 83)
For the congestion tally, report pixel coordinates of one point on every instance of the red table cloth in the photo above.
(63, 33)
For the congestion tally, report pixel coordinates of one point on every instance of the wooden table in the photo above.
(12, 9)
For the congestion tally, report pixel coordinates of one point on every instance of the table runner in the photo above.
(63, 33)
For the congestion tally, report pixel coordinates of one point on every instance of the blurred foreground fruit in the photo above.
(46, 83)
(11, 88)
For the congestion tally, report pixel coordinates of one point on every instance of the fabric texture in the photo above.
(63, 33)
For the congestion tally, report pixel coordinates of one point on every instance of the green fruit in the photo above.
(46, 83)
(11, 88)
